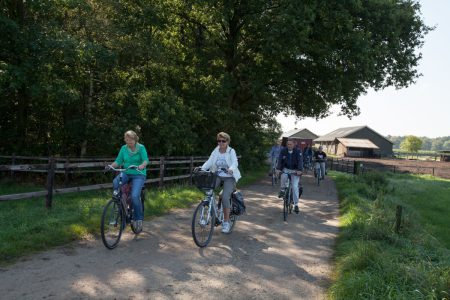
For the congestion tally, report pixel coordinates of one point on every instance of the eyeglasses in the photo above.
(221, 141)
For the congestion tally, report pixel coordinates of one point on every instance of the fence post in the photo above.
(433, 171)
(394, 169)
(13, 162)
(355, 167)
(346, 171)
(50, 182)
(161, 171)
(398, 218)
(191, 168)
(66, 172)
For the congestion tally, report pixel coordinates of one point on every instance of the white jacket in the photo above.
(230, 157)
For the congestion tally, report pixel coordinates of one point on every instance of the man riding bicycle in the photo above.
(307, 154)
(290, 160)
(320, 158)
(274, 154)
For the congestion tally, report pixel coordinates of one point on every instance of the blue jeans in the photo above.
(295, 182)
(137, 181)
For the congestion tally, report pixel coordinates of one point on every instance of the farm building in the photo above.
(302, 137)
(359, 141)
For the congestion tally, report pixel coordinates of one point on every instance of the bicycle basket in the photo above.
(204, 180)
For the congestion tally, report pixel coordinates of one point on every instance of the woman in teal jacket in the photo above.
(133, 153)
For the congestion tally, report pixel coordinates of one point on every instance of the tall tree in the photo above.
(411, 144)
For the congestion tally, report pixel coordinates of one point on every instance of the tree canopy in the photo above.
(74, 75)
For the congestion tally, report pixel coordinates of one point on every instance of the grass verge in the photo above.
(28, 227)
(374, 262)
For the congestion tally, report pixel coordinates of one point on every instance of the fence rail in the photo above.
(71, 165)
(358, 166)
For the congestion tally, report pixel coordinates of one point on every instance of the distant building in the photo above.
(301, 137)
(359, 141)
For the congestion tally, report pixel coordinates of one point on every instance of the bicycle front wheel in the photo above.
(112, 224)
(203, 224)
(286, 204)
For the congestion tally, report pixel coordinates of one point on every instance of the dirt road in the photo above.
(264, 257)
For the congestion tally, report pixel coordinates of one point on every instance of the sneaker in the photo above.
(226, 227)
(296, 209)
(281, 194)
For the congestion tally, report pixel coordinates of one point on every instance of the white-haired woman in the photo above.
(224, 157)
(133, 153)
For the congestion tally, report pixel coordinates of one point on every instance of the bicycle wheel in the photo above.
(233, 220)
(133, 228)
(112, 224)
(203, 224)
(286, 204)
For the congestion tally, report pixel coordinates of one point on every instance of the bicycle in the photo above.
(318, 170)
(288, 197)
(208, 214)
(118, 212)
(274, 173)
(307, 164)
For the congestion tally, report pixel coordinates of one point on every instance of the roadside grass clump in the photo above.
(372, 261)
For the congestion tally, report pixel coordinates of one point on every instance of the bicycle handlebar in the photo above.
(111, 168)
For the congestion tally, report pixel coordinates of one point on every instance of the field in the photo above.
(436, 168)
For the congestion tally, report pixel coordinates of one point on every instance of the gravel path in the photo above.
(264, 257)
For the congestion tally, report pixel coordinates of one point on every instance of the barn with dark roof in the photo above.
(301, 137)
(358, 141)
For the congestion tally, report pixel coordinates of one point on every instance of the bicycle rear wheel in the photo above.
(291, 201)
(203, 224)
(112, 224)
(233, 220)
(133, 228)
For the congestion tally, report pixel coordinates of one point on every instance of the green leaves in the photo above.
(81, 72)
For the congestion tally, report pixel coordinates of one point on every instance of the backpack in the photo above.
(237, 203)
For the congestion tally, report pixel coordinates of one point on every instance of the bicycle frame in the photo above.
(210, 197)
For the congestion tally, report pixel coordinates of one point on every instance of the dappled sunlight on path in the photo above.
(264, 257)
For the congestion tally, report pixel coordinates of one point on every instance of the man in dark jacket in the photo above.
(290, 162)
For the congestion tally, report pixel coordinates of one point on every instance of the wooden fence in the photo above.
(164, 165)
(358, 167)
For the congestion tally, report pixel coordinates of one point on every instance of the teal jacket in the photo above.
(127, 158)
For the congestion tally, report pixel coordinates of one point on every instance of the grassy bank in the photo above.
(27, 226)
(374, 262)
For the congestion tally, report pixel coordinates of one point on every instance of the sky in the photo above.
(422, 109)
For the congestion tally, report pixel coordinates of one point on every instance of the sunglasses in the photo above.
(221, 141)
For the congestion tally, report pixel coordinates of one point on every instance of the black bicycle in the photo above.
(288, 198)
(318, 170)
(118, 212)
(208, 214)
(274, 173)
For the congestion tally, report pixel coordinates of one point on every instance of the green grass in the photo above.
(9, 187)
(372, 261)
(28, 227)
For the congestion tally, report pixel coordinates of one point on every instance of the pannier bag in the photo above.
(238, 203)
